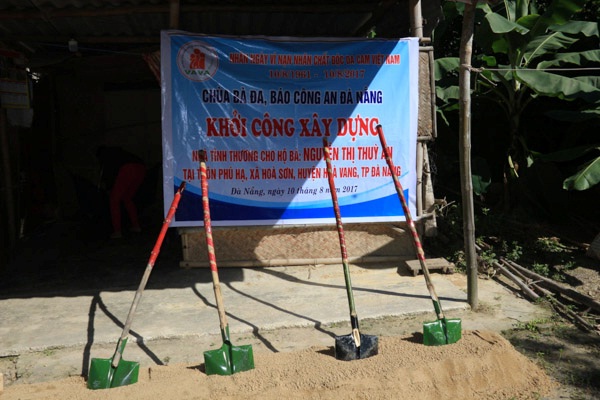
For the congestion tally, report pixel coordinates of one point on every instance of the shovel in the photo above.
(355, 345)
(443, 330)
(228, 359)
(113, 372)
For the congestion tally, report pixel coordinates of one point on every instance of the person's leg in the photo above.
(135, 175)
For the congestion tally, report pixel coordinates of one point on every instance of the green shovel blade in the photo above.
(104, 376)
(228, 360)
(442, 331)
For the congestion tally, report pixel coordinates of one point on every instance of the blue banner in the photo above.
(260, 108)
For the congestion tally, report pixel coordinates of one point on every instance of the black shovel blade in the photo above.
(347, 350)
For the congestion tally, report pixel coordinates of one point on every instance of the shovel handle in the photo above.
(212, 258)
(340, 229)
(144, 281)
(415, 235)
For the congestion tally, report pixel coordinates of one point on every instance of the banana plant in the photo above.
(524, 54)
(588, 174)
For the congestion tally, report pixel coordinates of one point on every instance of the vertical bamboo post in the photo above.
(466, 49)
(174, 12)
(416, 22)
(416, 18)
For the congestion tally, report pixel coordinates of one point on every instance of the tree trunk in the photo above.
(466, 49)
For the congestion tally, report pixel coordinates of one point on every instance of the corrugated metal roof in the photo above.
(41, 29)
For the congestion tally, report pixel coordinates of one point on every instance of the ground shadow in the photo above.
(416, 337)
(290, 278)
(200, 368)
(255, 329)
(329, 351)
(316, 324)
(567, 353)
(59, 260)
(96, 304)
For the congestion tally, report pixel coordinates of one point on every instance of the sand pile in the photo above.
(482, 365)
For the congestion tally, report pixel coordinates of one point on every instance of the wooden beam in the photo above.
(166, 9)
(85, 39)
(174, 8)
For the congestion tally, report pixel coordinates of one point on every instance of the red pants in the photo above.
(128, 181)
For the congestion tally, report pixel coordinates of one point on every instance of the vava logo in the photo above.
(197, 61)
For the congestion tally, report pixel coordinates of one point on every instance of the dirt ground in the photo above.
(543, 358)
(473, 368)
(567, 354)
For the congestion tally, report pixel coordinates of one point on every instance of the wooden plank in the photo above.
(432, 264)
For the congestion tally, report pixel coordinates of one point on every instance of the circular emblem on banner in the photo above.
(197, 61)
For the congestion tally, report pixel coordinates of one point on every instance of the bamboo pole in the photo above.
(420, 191)
(174, 11)
(558, 287)
(416, 19)
(466, 49)
(284, 262)
(522, 285)
(525, 283)
(416, 23)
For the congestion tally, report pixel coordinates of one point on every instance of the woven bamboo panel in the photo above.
(294, 243)
(425, 124)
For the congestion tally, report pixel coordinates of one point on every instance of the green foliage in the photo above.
(541, 269)
(525, 51)
(529, 45)
(587, 176)
(514, 252)
(459, 260)
(446, 89)
(569, 265)
(487, 257)
(501, 238)
(588, 173)
(550, 245)
(531, 326)
(480, 175)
